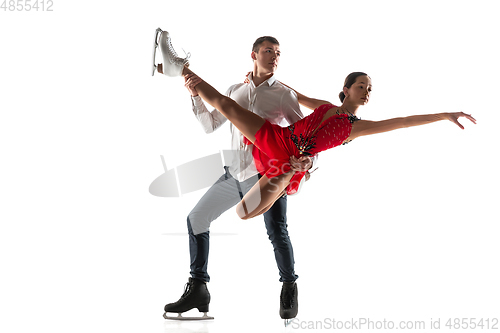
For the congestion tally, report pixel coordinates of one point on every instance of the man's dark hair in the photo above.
(261, 40)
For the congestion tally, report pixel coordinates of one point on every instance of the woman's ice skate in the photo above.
(172, 63)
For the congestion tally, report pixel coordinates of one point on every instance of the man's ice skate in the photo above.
(289, 305)
(195, 295)
(172, 63)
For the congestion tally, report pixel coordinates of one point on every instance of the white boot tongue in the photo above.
(172, 63)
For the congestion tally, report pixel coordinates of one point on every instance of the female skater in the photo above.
(327, 127)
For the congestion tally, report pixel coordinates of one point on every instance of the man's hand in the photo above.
(301, 164)
(191, 81)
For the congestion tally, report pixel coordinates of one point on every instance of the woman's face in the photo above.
(359, 92)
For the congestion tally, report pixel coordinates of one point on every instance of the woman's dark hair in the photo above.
(260, 40)
(349, 81)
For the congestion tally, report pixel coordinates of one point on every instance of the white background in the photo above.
(400, 226)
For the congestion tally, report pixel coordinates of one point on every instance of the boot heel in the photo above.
(203, 308)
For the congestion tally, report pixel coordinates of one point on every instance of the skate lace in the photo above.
(287, 297)
(188, 55)
(176, 59)
(187, 290)
(181, 61)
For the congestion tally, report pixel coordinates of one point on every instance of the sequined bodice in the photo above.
(315, 136)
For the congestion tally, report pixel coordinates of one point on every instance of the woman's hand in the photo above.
(191, 81)
(301, 164)
(453, 117)
(247, 80)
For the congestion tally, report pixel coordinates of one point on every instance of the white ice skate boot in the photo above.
(172, 63)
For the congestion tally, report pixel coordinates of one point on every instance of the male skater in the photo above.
(270, 99)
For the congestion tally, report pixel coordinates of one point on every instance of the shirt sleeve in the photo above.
(290, 107)
(209, 120)
(292, 113)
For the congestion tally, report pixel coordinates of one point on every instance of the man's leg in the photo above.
(223, 195)
(275, 219)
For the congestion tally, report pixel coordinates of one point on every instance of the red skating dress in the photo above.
(307, 137)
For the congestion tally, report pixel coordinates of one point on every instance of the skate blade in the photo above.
(180, 317)
(287, 322)
(155, 46)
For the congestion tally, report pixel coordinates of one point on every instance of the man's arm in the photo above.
(209, 120)
(308, 102)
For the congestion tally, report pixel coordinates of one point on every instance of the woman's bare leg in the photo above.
(265, 209)
(263, 195)
(246, 121)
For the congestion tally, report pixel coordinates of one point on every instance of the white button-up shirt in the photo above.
(271, 100)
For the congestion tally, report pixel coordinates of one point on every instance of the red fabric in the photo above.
(307, 137)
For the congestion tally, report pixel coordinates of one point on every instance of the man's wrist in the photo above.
(197, 101)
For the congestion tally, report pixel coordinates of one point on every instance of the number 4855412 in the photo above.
(27, 5)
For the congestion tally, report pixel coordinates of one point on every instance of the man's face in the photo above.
(268, 57)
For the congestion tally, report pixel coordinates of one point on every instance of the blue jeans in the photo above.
(224, 194)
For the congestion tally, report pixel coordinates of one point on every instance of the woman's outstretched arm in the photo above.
(307, 102)
(366, 127)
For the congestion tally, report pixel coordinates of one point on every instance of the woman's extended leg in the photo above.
(263, 195)
(246, 121)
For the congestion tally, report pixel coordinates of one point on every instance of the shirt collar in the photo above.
(269, 81)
